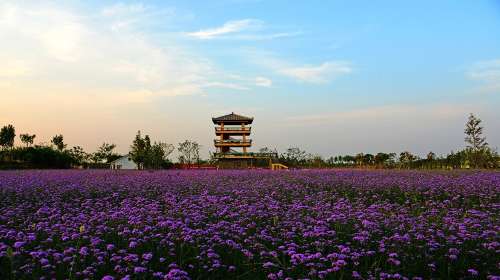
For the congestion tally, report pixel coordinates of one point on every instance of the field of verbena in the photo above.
(249, 225)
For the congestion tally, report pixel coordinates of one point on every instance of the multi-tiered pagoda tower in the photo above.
(232, 133)
(232, 143)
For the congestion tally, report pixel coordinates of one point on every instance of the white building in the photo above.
(124, 162)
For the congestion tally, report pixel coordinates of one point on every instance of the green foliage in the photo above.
(27, 139)
(406, 158)
(58, 141)
(454, 160)
(474, 131)
(294, 157)
(138, 150)
(150, 156)
(157, 156)
(35, 157)
(478, 153)
(79, 156)
(7, 136)
(105, 154)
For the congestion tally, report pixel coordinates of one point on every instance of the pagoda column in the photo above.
(244, 137)
(221, 127)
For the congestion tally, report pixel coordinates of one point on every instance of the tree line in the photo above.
(156, 155)
(56, 154)
(477, 154)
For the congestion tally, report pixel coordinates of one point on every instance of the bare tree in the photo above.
(190, 152)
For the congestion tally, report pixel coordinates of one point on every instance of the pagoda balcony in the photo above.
(233, 143)
(233, 130)
(246, 155)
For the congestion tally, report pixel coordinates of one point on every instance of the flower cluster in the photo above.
(310, 224)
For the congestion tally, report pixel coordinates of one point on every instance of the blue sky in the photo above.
(332, 77)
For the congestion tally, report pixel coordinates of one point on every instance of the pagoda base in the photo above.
(235, 163)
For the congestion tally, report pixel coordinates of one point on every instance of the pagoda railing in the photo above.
(232, 128)
(233, 141)
(238, 154)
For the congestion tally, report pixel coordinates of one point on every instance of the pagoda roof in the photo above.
(232, 118)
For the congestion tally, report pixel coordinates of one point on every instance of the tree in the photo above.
(349, 160)
(368, 159)
(196, 152)
(431, 156)
(474, 131)
(294, 156)
(189, 152)
(456, 160)
(7, 136)
(476, 144)
(149, 156)
(78, 155)
(406, 158)
(105, 153)
(139, 150)
(316, 161)
(381, 159)
(359, 158)
(27, 139)
(157, 157)
(58, 141)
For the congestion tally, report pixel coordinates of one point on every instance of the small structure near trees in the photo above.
(124, 162)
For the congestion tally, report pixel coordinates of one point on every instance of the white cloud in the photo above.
(225, 85)
(317, 74)
(245, 29)
(249, 82)
(65, 46)
(268, 36)
(233, 26)
(487, 73)
(263, 82)
(123, 16)
(55, 31)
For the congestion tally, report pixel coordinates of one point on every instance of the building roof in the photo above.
(232, 118)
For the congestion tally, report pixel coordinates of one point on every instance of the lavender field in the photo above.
(344, 224)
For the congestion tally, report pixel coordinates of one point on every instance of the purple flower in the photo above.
(268, 265)
(473, 272)
(330, 222)
(147, 256)
(139, 269)
(84, 251)
(19, 244)
(108, 277)
(177, 274)
(272, 276)
(44, 261)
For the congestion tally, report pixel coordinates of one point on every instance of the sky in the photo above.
(331, 77)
